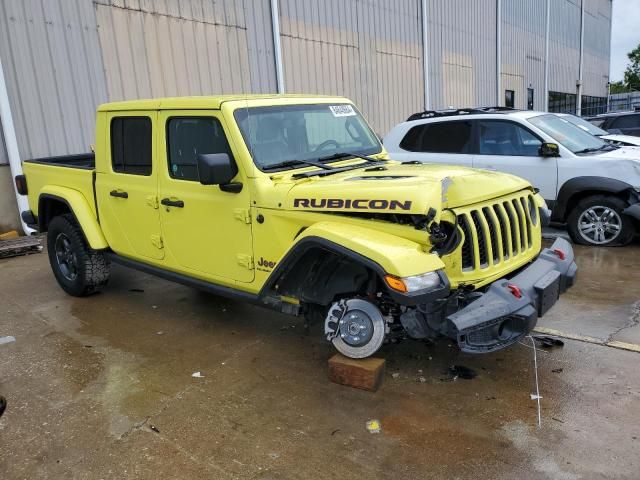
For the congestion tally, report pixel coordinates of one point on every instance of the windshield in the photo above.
(586, 126)
(567, 134)
(278, 134)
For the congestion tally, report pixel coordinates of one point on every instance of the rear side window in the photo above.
(189, 137)
(131, 145)
(497, 137)
(443, 137)
(626, 121)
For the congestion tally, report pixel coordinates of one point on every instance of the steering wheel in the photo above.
(327, 143)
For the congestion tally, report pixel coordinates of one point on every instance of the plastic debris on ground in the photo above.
(197, 375)
(548, 342)
(374, 426)
(395, 375)
(7, 339)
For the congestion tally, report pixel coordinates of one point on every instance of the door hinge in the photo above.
(156, 240)
(245, 260)
(152, 201)
(242, 214)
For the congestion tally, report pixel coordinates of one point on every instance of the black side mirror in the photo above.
(549, 150)
(217, 169)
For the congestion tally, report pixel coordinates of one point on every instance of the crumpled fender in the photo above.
(81, 209)
(395, 255)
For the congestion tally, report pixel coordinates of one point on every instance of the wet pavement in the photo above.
(102, 387)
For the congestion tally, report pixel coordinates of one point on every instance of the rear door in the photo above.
(127, 189)
(438, 142)
(206, 231)
(507, 146)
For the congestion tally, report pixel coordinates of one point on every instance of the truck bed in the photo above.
(51, 175)
(82, 160)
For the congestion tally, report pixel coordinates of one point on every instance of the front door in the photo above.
(127, 186)
(506, 146)
(206, 230)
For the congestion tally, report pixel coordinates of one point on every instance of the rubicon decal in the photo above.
(360, 204)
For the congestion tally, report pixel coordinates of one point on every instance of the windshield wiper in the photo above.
(340, 155)
(597, 149)
(291, 163)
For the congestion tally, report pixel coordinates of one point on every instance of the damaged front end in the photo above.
(504, 312)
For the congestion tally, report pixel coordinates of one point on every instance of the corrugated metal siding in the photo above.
(54, 73)
(564, 45)
(369, 50)
(462, 52)
(597, 41)
(523, 37)
(196, 47)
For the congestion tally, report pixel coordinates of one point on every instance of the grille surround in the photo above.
(497, 233)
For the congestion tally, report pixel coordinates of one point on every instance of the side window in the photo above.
(188, 137)
(506, 138)
(411, 140)
(441, 137)
(626, 121)
(131, 145)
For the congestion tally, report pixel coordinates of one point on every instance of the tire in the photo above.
(79, 270)
(598, 221)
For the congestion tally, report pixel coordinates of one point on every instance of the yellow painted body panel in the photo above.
(216, 237)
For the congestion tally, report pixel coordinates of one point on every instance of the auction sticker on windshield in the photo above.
(342, 110)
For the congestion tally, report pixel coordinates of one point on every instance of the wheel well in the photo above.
(578, 196)
(320, 275)
(48, 208)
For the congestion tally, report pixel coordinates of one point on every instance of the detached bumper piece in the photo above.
(510, 308)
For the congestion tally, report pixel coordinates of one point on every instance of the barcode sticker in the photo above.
(342, 110)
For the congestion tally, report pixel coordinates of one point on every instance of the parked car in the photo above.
(623, 123)
(290, 203)
(591, 185)
(615, 139)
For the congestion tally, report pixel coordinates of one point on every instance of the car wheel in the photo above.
(598, 221)
(79, 270)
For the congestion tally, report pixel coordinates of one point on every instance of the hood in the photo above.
(626, 153)
(630, 140)
(399, 188)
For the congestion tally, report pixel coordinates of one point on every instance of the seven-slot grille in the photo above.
(498, 232)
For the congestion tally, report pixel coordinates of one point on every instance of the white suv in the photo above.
(591, 185)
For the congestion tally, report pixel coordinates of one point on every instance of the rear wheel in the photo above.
(598, 221)
(79, 270)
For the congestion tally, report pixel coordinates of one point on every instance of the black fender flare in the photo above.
(577, 185)
(294, 260)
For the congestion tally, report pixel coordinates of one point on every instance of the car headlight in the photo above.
(425, 281)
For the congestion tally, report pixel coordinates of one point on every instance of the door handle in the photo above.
(119, 194)
(167, 202)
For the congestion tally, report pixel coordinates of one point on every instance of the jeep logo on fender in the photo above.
(363, 204)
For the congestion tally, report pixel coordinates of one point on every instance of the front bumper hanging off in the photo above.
(509, 309)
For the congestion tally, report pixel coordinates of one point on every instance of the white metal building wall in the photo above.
(197, 47)
(54, 73)
(368, 50)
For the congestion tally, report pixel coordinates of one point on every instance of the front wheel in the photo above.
(598, 221)
(356, 327)
(79, 270)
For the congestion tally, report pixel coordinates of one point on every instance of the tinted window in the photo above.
(189, 137)
(626, 121)
(131, 145)
(443, 137)
(506, 138)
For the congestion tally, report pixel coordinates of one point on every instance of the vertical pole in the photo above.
(581, 61)
(425, 56)
(11, 143)
(545, 96)
(498, 52)
(277, 47)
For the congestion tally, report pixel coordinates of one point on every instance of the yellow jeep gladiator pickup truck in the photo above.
(291, 202)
